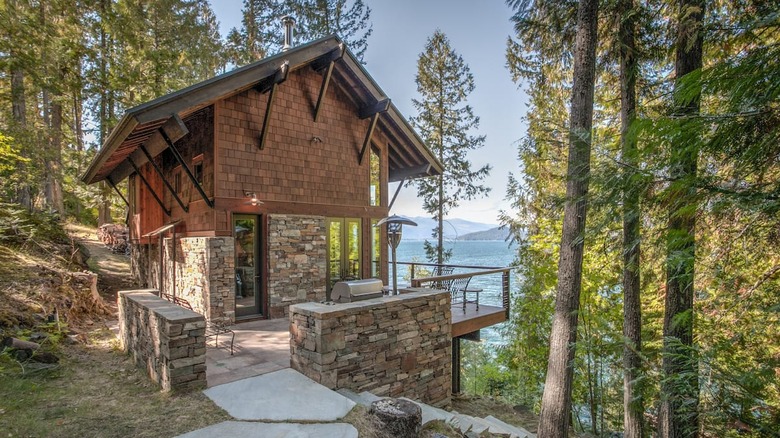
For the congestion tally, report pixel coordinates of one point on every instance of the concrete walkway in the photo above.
(269, 405)
(260, 347)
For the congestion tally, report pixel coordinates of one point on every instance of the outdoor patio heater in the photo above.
(395, 225)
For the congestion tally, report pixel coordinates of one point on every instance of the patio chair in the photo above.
(216, 328)
(459, 289)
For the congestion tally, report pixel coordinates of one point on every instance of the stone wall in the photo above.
(297, 261)
(145, 264)
(398, 346)
(205, 275)
(166, 340)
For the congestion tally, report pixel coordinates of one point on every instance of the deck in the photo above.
(470, 320)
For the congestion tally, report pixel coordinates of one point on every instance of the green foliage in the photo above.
(261, 32)
(737, 263)
(446, 123)
(11, 160)
(18, 226)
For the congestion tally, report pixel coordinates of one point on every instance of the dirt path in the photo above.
(113, 269)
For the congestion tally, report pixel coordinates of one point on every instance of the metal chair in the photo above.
(457, 288)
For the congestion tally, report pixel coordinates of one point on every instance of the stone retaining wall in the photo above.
(398, 346)
(166, 340)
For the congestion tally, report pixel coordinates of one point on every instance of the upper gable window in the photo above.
(374, 191)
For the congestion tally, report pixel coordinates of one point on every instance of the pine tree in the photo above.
(678, 416)
(349, 20)
(446, 123)
(556, 400)
(632, 307)
(260, 33)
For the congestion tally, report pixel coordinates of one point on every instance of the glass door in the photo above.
(246, 230)
(344, 236)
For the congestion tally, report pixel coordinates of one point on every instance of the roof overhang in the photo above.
(141, 125)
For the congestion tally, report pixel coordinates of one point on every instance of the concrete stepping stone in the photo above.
(430, 413)
(241, 429)
(284, 395)
(503, 427)
(365, 398)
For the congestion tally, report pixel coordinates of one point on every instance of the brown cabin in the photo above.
(260, 188)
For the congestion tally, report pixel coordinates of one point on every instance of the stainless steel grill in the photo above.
(356, 290)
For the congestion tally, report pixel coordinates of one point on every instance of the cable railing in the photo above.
(474, 271)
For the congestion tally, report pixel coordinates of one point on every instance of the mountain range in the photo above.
(454, 229)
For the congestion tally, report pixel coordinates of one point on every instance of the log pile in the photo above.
(114, 236)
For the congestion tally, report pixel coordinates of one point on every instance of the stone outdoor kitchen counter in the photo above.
(398, 346)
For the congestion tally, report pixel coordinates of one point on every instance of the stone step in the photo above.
(498, 426)
(430, 413)
(467, 423)
(364, 399)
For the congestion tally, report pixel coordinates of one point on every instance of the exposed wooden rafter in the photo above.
(326, 63)
(372, 111)
(186, 168)
(165, 181)
(268, 85)
(148, 186)
(154, 143)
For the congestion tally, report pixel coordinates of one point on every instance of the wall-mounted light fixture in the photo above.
(252, 199)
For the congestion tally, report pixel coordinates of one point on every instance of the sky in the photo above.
(478, 32)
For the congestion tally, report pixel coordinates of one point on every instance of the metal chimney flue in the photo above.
(288, 22)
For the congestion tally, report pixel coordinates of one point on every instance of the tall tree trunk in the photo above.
(19, 115)
(633, 406)
(104, 111)
(53, 187)
(679, 386)
(556, 400)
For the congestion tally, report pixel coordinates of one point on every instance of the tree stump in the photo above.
(398, 418)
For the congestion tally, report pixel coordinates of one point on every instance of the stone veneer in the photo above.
(205, 275)
(297, 261)
(167, 340)
(397, 346)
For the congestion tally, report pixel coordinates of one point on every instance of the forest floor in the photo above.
(96, 390)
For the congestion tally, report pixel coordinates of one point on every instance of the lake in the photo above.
(490, 253)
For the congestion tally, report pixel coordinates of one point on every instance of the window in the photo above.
(198, 171)
(374, 192)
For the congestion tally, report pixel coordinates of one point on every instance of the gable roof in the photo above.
(408, 155)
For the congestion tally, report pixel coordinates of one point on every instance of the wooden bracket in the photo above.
(372, 111)
(269, 85)
(379, 107)
(369, 134)
(165, 181)
(329, 61)
(397, 191)
(111, 183)
(148, 186)
(186, 168)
